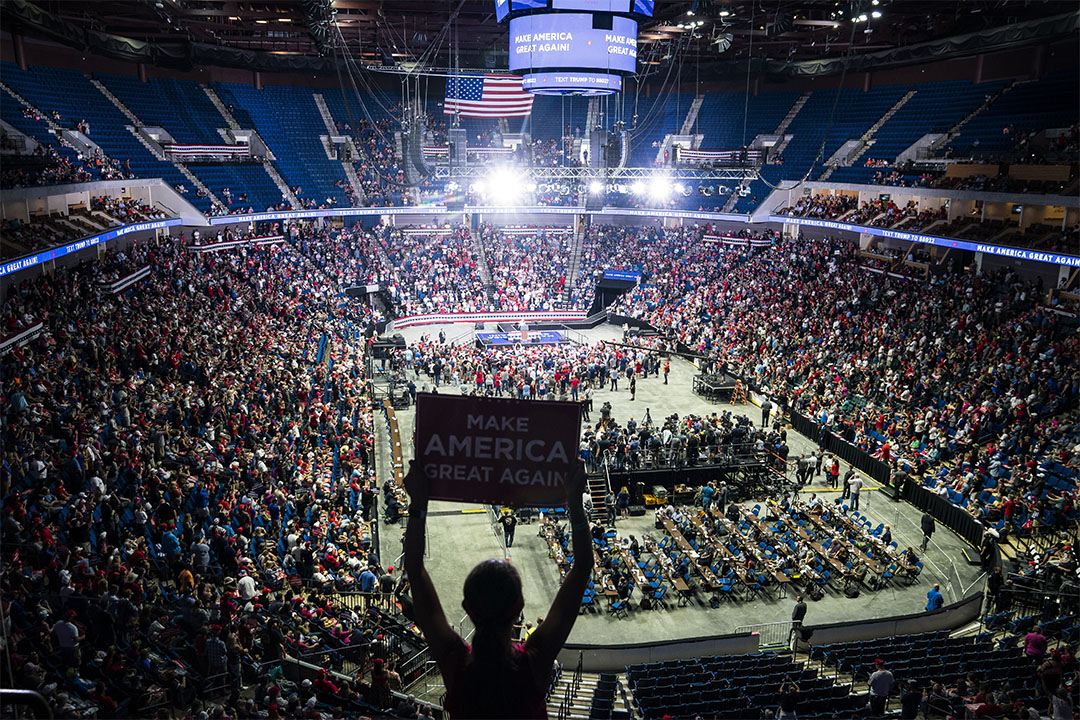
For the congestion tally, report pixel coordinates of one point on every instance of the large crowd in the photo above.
(187, 481)
(966, 381)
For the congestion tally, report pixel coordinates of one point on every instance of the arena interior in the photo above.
(808, 271)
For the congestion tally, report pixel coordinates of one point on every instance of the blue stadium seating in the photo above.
(657, 116)
(250, 180)
(1046, 103)
(720, 118)
(179, 106)
(551, 115)
(934, 108)
(70, 93)
(288, 121)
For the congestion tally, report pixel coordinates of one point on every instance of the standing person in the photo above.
(934, 598)
(995, 585)
(609, 506)
(811, 466)
(586, 503)
(802, 467)
(928, 527)
(847, 480)
(766, 408)
(707, 493)
(856, 484)
(798, 612)
(495, 677)
(789, 700)
(623, 501)
(881, 684)
(509, 523)
(633, 387)
(667, 369)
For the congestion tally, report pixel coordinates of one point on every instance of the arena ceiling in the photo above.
(439, 33)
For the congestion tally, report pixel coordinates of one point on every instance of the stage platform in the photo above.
(459, 536)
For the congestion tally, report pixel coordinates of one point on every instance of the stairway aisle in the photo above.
(346, 165)
(597, 697)
(575, 266)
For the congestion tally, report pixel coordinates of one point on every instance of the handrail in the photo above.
(13, 696)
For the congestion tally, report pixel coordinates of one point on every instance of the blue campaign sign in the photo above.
(627, 275)
(62, 250)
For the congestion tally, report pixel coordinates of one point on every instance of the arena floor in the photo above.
(460, 535)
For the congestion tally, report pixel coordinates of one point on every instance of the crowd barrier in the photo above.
(949, 617)
(945, 512)
(615, 658)
(851, 454)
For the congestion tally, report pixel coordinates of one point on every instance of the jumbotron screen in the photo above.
(572, 41)
(640, 7)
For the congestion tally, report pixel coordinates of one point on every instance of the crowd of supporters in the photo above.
(528, 270)
(434, 272)
(187, 482)
(177, 454)
(968, 380)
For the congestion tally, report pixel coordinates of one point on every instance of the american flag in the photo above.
(487, 96)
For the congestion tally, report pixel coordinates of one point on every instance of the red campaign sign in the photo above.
(498, 451)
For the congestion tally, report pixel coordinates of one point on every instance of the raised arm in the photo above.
(441, 638)
(544, 644)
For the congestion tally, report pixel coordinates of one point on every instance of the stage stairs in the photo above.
(599, 482)
(591, 697)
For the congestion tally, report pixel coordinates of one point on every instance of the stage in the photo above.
(459, 536)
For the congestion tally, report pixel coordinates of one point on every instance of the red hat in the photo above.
(879, 661)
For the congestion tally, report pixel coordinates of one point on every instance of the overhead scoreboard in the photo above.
(573, 47)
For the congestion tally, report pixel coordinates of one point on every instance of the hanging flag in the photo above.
(487, 96)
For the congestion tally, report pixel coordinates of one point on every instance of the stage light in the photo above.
(876, 14)
(638, 188)
(596, 187)
(678, 187)
(504, 186)
(531, 187)
(659, 188)
(479, 188)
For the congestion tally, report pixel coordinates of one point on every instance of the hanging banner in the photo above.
(498, 451)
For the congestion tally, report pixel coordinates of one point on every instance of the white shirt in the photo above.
(855, 484)
(67, 635)
(246, 587)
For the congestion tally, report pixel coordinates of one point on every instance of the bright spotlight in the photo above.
(531, 187)
(678, 187)
(596, 187)
(659, 188)
(505, 186)
(638, 188)
(876, 14)
(478, 188)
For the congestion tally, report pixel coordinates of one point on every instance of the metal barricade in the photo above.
(770, 635)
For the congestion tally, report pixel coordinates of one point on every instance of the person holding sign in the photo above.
(495, 677)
